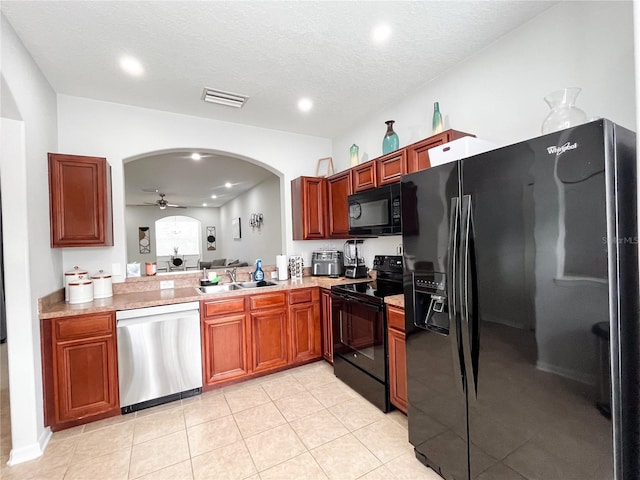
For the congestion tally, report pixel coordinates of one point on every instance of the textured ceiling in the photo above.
(274, 52)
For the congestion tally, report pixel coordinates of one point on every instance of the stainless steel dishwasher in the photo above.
(159, 357)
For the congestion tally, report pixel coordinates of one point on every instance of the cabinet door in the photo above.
(308, 204)
(268, 339)
(80, 201)
(418, 155)
(338, 189)
(327, 328)
(398, 369)
(391, 167)
(304, 328)
(225, 352)
(85, 369)
(364, 177)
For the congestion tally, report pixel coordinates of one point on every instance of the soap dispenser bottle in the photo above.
(258, 275)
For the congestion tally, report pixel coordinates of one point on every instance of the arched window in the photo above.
(178, 235)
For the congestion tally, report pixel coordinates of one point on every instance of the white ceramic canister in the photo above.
(72, 275)
(102, 286)
(81, 290)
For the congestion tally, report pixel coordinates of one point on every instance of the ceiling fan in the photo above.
(163, 203)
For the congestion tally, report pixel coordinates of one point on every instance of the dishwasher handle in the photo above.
(164, 317)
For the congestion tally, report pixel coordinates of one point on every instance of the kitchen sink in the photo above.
(225, 287)
(256, 284)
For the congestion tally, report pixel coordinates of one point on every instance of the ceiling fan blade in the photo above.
(175, 206)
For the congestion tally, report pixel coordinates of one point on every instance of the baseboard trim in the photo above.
(30, 452)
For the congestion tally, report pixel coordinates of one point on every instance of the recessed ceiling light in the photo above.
(228, 185)
(131, 65)
(214, 196)
(305, 104)
(381, 33)
(204, 204)
(196, 156)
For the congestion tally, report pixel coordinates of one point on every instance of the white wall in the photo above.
(119, 132)
(34, 269)
(265, 242)
(498, 93)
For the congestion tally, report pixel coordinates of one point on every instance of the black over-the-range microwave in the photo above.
(375, 212)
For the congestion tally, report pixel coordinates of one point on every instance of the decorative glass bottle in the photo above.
(353, 151)
(564, 113)
(437, 126)
(390, 142)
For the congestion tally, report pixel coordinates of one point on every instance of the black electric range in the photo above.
(388, 281)
(359, 323)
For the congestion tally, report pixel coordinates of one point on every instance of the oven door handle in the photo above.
(350, 298)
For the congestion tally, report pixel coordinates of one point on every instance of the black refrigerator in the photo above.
(517, 261)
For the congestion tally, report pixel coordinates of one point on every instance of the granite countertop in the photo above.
(395, 300)
(54, 306)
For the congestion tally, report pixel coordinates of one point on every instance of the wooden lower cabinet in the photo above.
(397, 358)
(225, 340)
(327, 326)
(269, 339)
(225, 349)
(80, 369)
(304, 325)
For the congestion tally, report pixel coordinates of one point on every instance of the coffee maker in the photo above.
(354, 266)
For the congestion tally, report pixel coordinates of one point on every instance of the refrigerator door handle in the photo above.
(454, 336)
(466, 324)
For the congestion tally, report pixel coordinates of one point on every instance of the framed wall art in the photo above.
(235, 228)
(325, 167)
(211, 238)
(144, 240)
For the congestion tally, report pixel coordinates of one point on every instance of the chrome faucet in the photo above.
(232, 274)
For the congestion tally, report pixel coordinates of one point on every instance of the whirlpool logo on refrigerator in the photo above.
(553, 150)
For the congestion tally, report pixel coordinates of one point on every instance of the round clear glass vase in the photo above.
(564, 113)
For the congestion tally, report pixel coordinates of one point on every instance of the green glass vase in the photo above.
(437, 125)
(390, 142)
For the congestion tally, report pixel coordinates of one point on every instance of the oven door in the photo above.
(359, 334)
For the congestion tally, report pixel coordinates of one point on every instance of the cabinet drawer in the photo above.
(395, 318)
(268, 300)
(303, 296)
(221, 307)
(94, 325)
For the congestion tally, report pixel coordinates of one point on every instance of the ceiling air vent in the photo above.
(224, 98)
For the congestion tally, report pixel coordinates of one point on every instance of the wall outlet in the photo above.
(166, 284)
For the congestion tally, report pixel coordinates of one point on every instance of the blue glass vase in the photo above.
(390, 142)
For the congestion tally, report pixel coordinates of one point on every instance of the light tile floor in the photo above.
(303, 423)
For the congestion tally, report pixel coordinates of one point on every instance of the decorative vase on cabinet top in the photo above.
(390, 142)
(564, 113)
(437, 126)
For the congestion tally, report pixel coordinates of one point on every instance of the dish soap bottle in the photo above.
(258, 275)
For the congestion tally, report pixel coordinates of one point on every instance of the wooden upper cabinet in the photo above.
(80, 201)
(418, 155)
(308, 201)
(364, 176)
(391, 167)
(338, 189)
